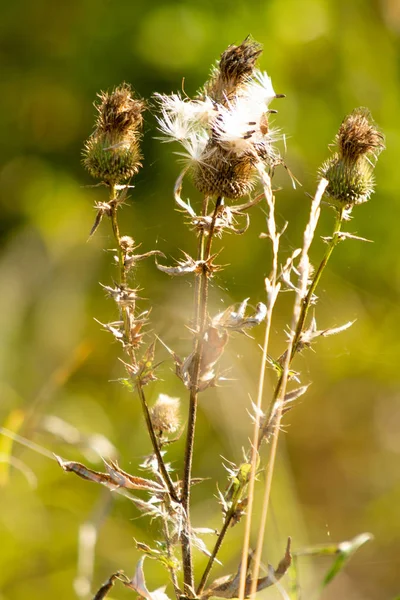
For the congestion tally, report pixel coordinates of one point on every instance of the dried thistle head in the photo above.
(165, 414)
(225, 131)
(359, 136)
(222, 174)
(112, 152)
(350, 169)
(235, 66)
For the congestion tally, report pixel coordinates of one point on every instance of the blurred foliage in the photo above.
(338, 471)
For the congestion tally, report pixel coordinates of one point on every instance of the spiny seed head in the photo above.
(221, 173)
(225, 130)
(112, 153)
(350, 169)
(235, 67)
(165, 414)
(358, 135)
(349, 183)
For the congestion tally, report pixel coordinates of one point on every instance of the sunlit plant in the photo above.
(229, 150)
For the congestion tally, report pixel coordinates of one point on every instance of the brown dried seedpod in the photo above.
(358, 135)
(222, 173)
(235, 66)
(112, 152)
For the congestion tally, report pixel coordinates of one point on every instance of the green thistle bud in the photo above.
(350, 170)
(112, 152)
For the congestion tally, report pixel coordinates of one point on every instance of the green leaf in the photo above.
(345, 551)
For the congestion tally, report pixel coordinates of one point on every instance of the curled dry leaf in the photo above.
(313, 332)
(236, 319)
(138, 584)
(113, 479)
(106, 587)
(228, 586)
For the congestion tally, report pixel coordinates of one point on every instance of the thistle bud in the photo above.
(112, 153)
(165, 414)
(350, 169)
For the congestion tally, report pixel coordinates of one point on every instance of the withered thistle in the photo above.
(225, 130)
(228, 145)
(112, 152)
(165, 414)
(350, 170)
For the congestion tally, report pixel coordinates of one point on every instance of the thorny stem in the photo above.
(308, 299)
(130, 350)
(154, 441)
(301, 305)
(201, 303)
(317, 276)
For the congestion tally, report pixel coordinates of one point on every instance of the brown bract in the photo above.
(235, 66)
(358, 135)
(112, 153)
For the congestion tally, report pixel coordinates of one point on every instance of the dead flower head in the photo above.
(112, 153)
(225, 131)
(350, 169)
(165, 414)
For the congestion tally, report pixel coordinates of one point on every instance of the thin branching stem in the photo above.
(300, 308)
(308, 299)
(217, 546)
(272, 292)
(130, 350)
(201, 305)
(161, 464)
(317, 276)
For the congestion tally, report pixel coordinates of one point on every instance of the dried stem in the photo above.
(217, 546)
(200, 311)
(301, 305)
(272, 292)
(130, 350)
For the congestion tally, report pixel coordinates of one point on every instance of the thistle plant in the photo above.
(229, 150)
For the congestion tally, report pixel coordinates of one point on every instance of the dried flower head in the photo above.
(350, 169)
(112, 153)
(236, 65)
(165, 414)
(225, 131)
(358, 136)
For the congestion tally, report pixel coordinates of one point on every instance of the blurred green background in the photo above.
(338, 471)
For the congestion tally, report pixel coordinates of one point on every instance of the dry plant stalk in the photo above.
(228, 150)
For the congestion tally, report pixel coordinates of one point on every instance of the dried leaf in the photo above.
(106, 587)
(228, 586)
(138, 584)
(294, 394)
(122, 479)
(183, 267)
(85, 473)
(236, 319)
(312, 332)
(177, 194)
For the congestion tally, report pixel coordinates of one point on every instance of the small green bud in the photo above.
(349, 183)
(112, 152)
